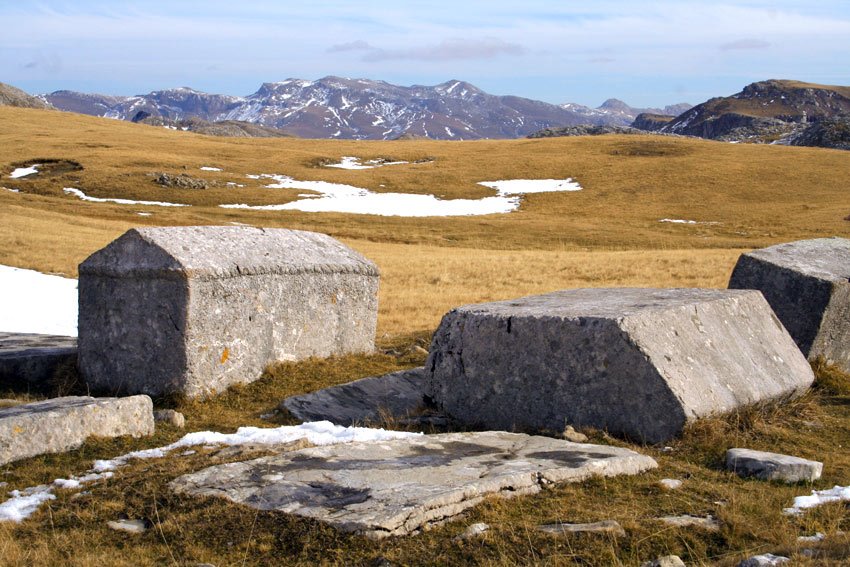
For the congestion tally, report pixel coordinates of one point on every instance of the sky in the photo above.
(648, 53)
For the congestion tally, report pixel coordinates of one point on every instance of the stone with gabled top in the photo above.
(807, 283)
(637, 362)
(196, 309)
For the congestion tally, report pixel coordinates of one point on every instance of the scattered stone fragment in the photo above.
(570, 434)
(807, 283)
(62, 424)
(604, 527)
(196, 309)
(397, 395)
(665, 561)
(670, 483)
(812, 538)
(31, 359)
(772, 466)
(634, 362)
(181, 181)
(170, 417)
(687, 521)
(764, 560)
(473, 531)
(398, 487)
(129, 526)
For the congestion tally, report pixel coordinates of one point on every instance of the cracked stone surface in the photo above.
(807, 283)
(399, 487)
(28, 358)
(398, 395)
(637, 362)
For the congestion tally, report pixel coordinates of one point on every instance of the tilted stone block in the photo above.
(772, 466)
(197, 309)
(807, 283)
(63, 424)
(28, 359)
(637, 362)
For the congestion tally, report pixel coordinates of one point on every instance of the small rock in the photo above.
(763, 560)
(129, 526)
(772, 466)
(472, 531)
(570, 434)
(603, 527)
(817, 537)
(665, 561)
(170, 417)
(419, 350)
(687, 521)
(670, 483)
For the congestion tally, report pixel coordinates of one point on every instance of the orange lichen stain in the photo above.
(17, 429)
(225, 354)
(333, 299)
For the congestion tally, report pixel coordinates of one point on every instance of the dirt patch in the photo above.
(646, 148)
(49, 167)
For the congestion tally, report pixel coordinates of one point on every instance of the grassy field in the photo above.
(608, 234)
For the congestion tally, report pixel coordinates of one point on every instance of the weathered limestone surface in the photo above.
(398, 487)
(396, 395)
(807, 283)
(62, 424)
(31, 359)
(196, 309)
(637, 362)
(772, 466)
(611, 527)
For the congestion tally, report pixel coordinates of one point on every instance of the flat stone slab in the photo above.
(636, 362)
(807, 283)
(708, 523)
(399, 487)
(772, 466)
(31, 359)
(63, 424)
(611, 527)
(398, 395)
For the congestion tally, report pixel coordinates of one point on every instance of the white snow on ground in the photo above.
(350, 162)
(340, 198)
(208, 168)
(84, 197)
(10, 190)
(678, 221)
(24, 171)
(32, 302)
(24, 503)
(818, 497)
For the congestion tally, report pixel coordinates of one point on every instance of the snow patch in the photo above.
(10, 190)
(678, 221)
(33, 302)
(208, 168)
(817, 498)
(350, 162)
(84, 197)
(21, 505)
(24, 171)
(522, 186)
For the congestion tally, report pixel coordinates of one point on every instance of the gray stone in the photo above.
(28, 359)
(687, 521)
(636, 362)
(197, 309)
(772, 466)
(611, 527)
(397, 395)
(473, 531)
(62, 424)
(670, 483)
(171, 417)
(807, 283)
(665, 561)
(765, 560)
(398, 487)
(129, 526)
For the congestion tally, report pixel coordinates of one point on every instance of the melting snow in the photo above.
(350, 162)
(11, 190)
(679, 221)
(340, 198)
(24, 503)
(24, 171)
(84, 197)
(33, 302)
(818, 497)
(208, 168)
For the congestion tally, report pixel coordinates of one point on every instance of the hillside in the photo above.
(12, 96)
(614, 112)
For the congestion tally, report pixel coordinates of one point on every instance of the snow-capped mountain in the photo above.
(334, 107)
(614, 112)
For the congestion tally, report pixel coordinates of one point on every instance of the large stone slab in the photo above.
(28, 359)
(807, 283)
(398, 487)
(637, 362)
(369, 400)
(63, 424)
(772, 466)
(196, 309)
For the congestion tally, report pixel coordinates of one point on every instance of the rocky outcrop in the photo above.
(651, 122)
(584, 130)
(13, 96)
(831, 132)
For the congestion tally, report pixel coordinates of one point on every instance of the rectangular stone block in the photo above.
(772, 466)
(63, 424)
(636, 362)
(807, 283)
(28, 359)
(197, 309)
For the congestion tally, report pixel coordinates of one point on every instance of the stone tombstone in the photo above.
(808, 285)
(196, 309)
(636, 362)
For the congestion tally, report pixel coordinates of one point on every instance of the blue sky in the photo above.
(646, 53)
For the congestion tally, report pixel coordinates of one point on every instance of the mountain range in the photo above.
(335, 107)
